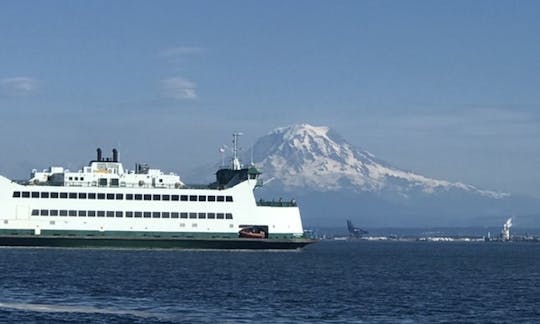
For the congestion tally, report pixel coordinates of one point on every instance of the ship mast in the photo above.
(235, 161)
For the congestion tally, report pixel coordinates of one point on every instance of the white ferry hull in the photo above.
(29, 221)
(106, 205)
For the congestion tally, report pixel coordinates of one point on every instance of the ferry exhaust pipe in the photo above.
(99, 156)
(115, 155)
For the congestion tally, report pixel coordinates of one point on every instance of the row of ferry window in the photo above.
(129, 214)
(118, 196)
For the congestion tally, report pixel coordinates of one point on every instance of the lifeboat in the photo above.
(252, 232)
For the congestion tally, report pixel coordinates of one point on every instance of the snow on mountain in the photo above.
(314, 157)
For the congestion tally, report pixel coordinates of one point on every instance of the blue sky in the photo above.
(446, 89)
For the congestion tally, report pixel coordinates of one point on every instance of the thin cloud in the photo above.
(180, 51)
(178, 88)
(19, 86)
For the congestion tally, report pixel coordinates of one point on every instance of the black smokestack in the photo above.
(115, 155)
(99, 154)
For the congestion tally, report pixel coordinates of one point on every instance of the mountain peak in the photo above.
(302, 130)
(310, 140)
(316, 158)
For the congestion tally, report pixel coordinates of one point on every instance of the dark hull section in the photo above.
(153, 243)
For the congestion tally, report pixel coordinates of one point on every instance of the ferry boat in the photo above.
(106, 205)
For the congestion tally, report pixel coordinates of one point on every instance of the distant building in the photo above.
(505, 232)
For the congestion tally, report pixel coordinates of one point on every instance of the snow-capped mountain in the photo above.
(316, 158)
(333, 181)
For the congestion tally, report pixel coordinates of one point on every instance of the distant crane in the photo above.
(355, 232)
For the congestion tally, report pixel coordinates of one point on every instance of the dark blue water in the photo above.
(334, 282)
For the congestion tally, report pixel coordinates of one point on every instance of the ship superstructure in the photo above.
(106, 172)
(104, 204)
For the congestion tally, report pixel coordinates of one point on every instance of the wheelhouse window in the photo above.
(102, 182)
(114, 182)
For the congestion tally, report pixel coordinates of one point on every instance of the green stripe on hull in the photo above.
(144, 240)
(138, 234)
